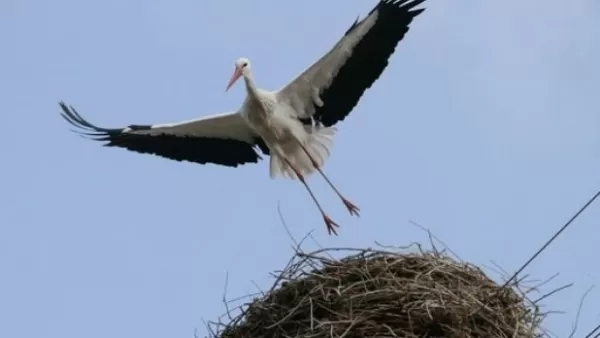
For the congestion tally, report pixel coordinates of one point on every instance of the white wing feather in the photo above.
(224, 126)
(303, 92)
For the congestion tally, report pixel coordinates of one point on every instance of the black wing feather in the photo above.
(201, 150)
(368, 61)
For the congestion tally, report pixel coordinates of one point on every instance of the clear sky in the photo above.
(485, 128)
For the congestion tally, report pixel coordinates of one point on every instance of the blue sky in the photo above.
(484, 128)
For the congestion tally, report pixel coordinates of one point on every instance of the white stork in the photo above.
(293, 125)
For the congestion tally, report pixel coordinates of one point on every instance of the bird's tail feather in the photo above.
(318, 143)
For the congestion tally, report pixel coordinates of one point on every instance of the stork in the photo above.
(293, 125)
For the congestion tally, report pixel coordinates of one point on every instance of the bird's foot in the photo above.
(353, 209)
(330, 225)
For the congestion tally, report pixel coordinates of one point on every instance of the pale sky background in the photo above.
(485, 128)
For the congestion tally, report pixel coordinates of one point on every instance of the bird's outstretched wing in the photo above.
(330, 88)
(222, 139)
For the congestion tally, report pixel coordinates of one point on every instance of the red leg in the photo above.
(331, 225)
(352, 208)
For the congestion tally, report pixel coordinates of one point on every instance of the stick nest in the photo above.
(372, 293)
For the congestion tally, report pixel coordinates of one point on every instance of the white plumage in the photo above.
(295, 124)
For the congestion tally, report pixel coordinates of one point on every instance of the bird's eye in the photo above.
(245, 64)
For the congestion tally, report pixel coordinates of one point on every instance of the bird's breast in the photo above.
(269, 120)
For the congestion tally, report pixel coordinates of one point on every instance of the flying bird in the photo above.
(294, 125)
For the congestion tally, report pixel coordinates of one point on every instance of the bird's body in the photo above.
(277, 124)
(293, 125)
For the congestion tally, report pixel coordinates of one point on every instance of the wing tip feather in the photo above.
(406, 5)
(84, 128)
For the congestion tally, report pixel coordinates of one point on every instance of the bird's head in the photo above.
(242, 67)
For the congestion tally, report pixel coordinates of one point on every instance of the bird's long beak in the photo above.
(236, 75)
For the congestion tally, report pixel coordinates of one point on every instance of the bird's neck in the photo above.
(250, 86)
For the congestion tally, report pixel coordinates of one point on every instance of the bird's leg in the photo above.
(328, 222)
(352, 208)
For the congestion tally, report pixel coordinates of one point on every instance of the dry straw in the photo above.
(375, 293)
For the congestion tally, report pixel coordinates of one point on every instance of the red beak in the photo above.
(236, 75)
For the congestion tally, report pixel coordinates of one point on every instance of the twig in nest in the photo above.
(436, 238)
(552, 292)
(579, 310)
